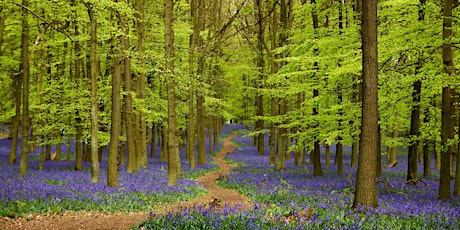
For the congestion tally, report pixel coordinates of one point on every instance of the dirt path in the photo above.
(122, 221)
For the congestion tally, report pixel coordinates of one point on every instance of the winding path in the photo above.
(121, 220)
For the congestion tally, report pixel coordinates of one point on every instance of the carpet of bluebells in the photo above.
(60, 188)
(294, 199)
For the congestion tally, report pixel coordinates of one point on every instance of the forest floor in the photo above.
(217, 196)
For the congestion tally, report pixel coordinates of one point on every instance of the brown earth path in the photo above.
(121, 220)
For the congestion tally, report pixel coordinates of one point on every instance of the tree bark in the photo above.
(25, 70)
(412, 172)
(260, 81)
(447, 129)
(78, 126)
(112, 161)
(130, 142)
(366, 188)
(95, 173)
(317, 170)
(169, 40)
(281, 139)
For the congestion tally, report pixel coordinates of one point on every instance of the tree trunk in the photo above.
(130, 142)
(25, 70)
(196, 12)
(366, 188)
(78, 126)
(281, 139)
(152, 140)
(200, 130)
(169, 40)
(354, 153)
(273, 32)
(95, 173)
(260, 81)
(210, 135)
(217, 130)
(447, 129)
(272, 137)
(317, 170)
(16, 119)
(112, 161)
(412, 172)
(164, 143)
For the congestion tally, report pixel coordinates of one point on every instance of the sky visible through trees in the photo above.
(158, 79)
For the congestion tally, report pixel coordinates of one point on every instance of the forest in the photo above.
(196, 114)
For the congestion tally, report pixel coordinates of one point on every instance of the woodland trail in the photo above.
(121, 220)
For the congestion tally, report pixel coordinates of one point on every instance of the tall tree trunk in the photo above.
(17, 117)
(152, 140)
(196, 13)
(272, 137)
(17, 83)
(200, 116)
(447, 129)
(412, 172)
(366, 188)
(25, 70)
(260, 81)
(200, 129)
(40, 89)
(273, 32)
(210, 142)
(317, 170)
(112, 161)
(130, 142)
(281, 139)
(95, 173)
(339, 146)
(78, 126)
(169, 40)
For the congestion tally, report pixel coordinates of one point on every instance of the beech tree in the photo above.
(366, 188)
(25, 72)
(447, 123)
(169, 40)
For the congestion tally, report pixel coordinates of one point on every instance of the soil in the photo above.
(217, 197)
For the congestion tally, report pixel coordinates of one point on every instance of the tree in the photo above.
(17, 82)
(317, 171)
(141, 118)
(128, 115)
(366, 188)
(259, 98)
(95, 173)
(112, 164)
(447, 124)
(169, 41)
(25, 70)
(196, 13)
